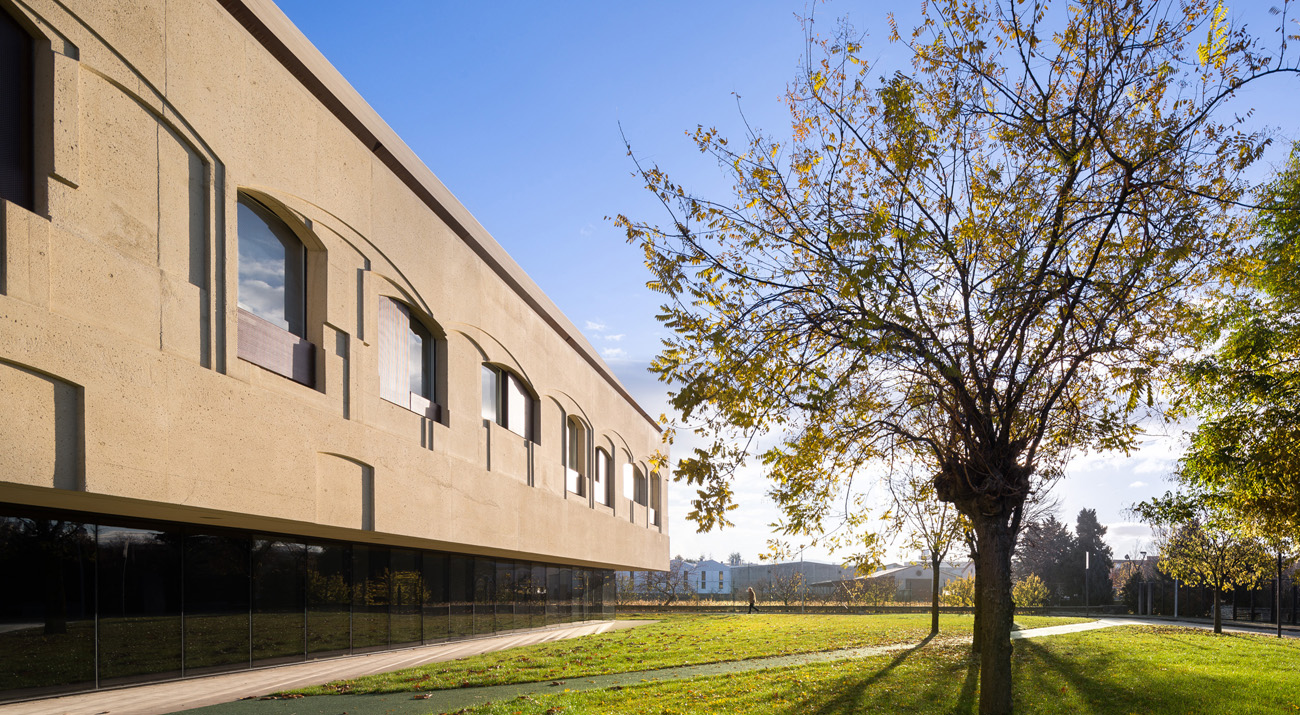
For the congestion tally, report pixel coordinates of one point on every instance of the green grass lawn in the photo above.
(674, 640)
(1129, 669)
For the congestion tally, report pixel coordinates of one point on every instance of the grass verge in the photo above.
(674, 640)
(1122, 670)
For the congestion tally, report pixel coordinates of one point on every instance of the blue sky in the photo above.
(517, 107)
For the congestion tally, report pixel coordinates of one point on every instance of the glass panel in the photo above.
(272, 267)
(436, 608)
(580, 594)
(490, 399)
(139, 604)
(611, 595)
(279, 600)
(421, 366)
(407, 597)
(216, 603)
(460, 584)
(559, 608)
(329, 599)
(506, 596)
(519, 407)
(47, 620)
(539, 585)
(370, 597)
(600, 477)
(485, 596)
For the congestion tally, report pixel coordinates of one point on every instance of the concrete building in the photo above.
(268, 392)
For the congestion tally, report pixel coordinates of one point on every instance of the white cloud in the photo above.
(613, 353)
(1137, 485)
(592, 325)
(615, 338)
(1153, 466)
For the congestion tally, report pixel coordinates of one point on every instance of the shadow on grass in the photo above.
(849, 692)
(1090, 677)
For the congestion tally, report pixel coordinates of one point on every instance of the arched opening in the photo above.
(272, 294)
(408, 359)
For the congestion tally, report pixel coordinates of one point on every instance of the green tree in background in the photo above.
(1205, 546)
(1030, 592)
(1046, 550)
(1245, 454)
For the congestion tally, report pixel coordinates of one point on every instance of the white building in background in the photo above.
(708, 577)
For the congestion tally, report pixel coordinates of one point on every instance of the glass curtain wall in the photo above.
(97, 602)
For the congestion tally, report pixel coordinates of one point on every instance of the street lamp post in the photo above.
(1087, 566)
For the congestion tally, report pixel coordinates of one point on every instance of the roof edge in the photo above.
(291, 48)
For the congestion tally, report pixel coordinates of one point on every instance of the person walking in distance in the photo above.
(752, 600)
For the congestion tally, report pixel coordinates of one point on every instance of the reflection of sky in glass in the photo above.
(489, 394)
(416, 342)
(263, 256)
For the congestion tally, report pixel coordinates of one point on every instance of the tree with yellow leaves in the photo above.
(990, 259)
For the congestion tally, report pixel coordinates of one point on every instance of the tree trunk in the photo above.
(994, 613)
(1218, 612)
(976, 634)
(934, 595)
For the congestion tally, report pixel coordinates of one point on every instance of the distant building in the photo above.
(762, 576)
(709, 577)
(912, 582)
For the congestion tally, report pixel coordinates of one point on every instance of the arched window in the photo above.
(575, 462)
(406, 359)
(272, 268)
(507, 402)
(602, 478)
(273, 294)
(16, 113)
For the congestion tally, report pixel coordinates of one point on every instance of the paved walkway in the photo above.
(214, 695)
(177, 695)
(441, 701)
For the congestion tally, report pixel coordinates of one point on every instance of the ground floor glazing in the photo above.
(92, 601)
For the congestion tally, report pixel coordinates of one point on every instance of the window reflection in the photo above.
(272, 268)
(279, 599)
(216, 603)
(329, 599)
(47, 622)
(139, 604)
(182, 600)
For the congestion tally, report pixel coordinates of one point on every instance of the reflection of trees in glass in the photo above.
(327, 588)
(43, 547)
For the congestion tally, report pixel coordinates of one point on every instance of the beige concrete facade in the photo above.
(120, 387)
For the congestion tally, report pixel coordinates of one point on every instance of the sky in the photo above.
(522, 109)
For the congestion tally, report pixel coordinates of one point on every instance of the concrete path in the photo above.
(176, 695)
(219, 695)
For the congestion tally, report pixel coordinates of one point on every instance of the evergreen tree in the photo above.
(1045, 550)
(1088, 537)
